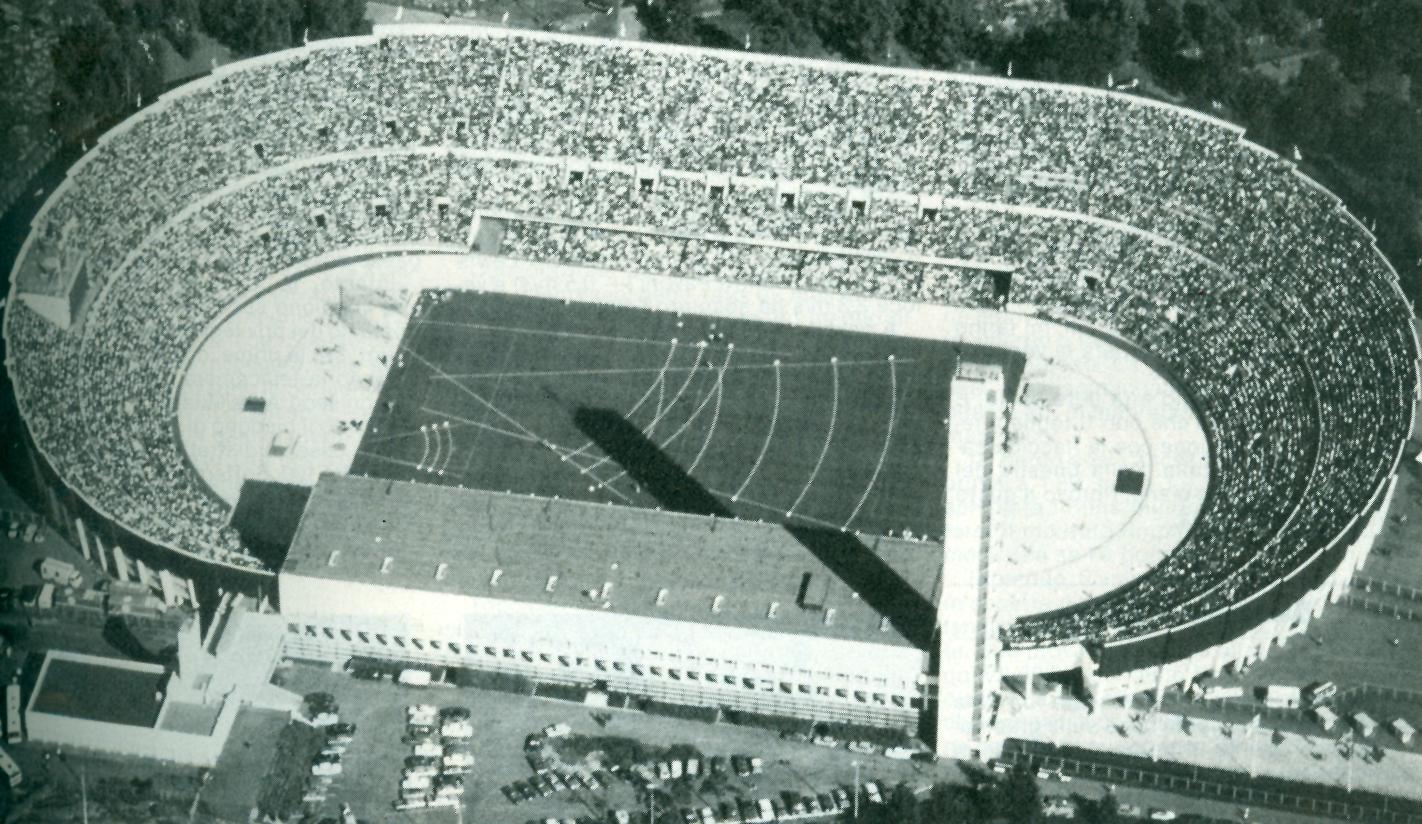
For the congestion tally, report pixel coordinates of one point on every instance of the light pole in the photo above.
(856, 790)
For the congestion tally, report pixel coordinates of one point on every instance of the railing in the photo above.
(1245, 791)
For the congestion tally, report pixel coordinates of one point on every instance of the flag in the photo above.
(306, 36)
(747, 41)
(1297, 154)
(1110, 80)
(399, 12)
(505, 18)
(1009, 68)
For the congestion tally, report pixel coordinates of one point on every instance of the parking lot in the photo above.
(370, 777)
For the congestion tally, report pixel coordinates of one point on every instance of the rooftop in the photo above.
(637, 561)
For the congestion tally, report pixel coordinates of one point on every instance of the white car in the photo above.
(676, 768)
(458, 759)
(872, 791)
(1058, 808)
(411, 804)
(900, 753)
(457, 729)
(861, 747)
(825, 741)
(326, 768)
(433, 749)
(421, 713)
(421, 771)
(557, 730)
(1162, 815)
(416, 782)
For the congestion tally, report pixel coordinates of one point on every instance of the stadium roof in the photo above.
(636, 561)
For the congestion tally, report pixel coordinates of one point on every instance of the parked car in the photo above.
(341, 729)
(708, 816)
(1058, 808)
(416, 782)
(457, 729)
(741, 765)
(726, 811)
(827, 803)
(1130, 811)
(757, 765)
(861, 747)
(557, 730)
(326, 768)
(454, 714)
(428, 748)
(871, 790)
(900, 753)
(718, 765)
(825, 741)
(513, 796)
(1158, 814)
(841, 798)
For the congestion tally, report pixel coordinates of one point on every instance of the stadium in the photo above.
(947, 381)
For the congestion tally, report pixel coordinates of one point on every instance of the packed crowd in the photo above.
(1264, 300)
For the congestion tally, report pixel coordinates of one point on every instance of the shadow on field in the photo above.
(843, 553)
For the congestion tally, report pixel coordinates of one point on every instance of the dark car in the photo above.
(454, 714)
(741, 765)
(341, 729)
(717, 765)
(7, 599)
(510, 794)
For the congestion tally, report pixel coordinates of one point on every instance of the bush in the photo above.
(882, 736)
(706, 714)
(562, 692)
(776, 723)
(496, 681)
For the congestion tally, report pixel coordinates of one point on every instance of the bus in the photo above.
(13, 733)
(10, 768)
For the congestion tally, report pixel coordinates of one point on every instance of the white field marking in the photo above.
(695, 413)
(769, 435)
(389, 459)
(564, 453)
(715, 413)
(888, 437)
(651, 387)
(662, 411)
(425, 454)
(449, 453)
(561, 373)
(775, 509)
(476, 396)
(551, 333)
(829, 436)
(467, 422)
(438, 448)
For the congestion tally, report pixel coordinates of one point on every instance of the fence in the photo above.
(1235, 788)
(1367, 584)
(1398, 611)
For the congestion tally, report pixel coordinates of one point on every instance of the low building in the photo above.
(689, 609)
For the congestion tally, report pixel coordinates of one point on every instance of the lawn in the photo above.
(794, 424)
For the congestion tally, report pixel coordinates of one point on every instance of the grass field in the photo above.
(99, 693)
(782, 423)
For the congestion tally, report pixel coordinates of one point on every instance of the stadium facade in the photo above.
(1254, 288)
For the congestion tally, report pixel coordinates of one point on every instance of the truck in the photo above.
(414, 677)
(60, 573)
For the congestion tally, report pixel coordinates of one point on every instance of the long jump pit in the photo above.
(809, 408)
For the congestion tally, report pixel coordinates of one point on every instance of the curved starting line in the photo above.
(694, 416)
(888, 437)
(715, 414)
(662, 411)
(438, 448)
(425, 453)
(764, 447)
(651, 387)
(829, 436)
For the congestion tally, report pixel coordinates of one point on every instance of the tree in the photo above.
(669, 21)
(939, 33)
(334, 18)
(1018, 798)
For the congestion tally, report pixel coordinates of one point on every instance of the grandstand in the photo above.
(1258, 294)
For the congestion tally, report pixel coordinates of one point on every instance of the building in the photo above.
(684, 608)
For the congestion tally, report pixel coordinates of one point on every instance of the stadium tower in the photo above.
(967, 635)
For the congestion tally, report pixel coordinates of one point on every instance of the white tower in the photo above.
(968, 643)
